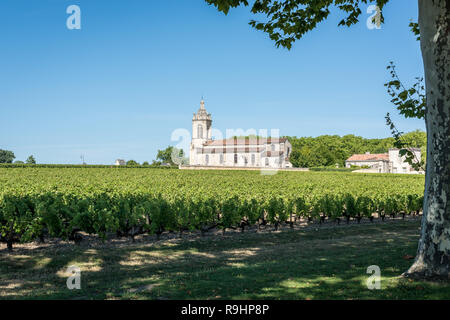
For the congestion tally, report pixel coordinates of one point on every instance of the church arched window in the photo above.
(200, 131)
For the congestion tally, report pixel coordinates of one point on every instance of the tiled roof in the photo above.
(369, 157)
(229, 150)
(244, 141)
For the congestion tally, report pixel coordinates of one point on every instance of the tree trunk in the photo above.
(433, 254)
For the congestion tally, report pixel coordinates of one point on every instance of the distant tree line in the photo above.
(7, 156)
(327, 150)
(170, 156)
(307, 152)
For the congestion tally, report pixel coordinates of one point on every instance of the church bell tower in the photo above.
(201, 132)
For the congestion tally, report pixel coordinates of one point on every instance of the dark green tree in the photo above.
(132, 163)
(6, 156)
(171, 155)
(329, 150)
(287, 21)
(31, 160)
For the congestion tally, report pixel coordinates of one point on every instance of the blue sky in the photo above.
(136, 71)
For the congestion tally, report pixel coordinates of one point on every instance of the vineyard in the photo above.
(40, 203)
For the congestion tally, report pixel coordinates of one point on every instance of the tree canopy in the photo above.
(31, 160)
(132, 163)
(172, 156)
(287, 21)
(6, 156)
(329, 150)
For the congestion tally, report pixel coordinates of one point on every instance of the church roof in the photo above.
(244, 142)
(230, 150)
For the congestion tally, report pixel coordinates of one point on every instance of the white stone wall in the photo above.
(397, 163)
(197, 142)
(381, 166)
(228, 159)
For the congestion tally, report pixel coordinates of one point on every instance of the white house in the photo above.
(390, 162)
(234, 152)
(120, 162)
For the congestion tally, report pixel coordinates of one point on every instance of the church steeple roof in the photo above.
(202, 114)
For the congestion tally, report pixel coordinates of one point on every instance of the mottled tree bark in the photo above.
(433, 255)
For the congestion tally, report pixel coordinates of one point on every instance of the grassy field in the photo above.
(300, 264)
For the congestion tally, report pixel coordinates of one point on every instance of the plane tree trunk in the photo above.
(433, 254)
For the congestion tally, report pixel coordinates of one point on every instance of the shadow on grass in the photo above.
(322, 264)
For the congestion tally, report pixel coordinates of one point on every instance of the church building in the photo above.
(256, 152)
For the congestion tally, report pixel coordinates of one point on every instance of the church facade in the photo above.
(257, 152)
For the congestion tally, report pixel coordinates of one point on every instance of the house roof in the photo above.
(369, 157)
(244, 141)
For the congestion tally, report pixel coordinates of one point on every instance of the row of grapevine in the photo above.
(85, 166)
(39, 203)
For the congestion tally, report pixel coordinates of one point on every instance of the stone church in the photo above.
(256, 152)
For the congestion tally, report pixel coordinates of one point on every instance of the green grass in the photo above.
(306, 264)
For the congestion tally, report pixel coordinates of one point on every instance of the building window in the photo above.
(245, 160)
(235, 158)
(267, 162)
(288, 152)
(253, 159)
(200, 132)
(221, 159)
(273, 147)
(207, 159)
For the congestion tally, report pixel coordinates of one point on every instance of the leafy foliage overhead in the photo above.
(411, 103)
(288, 20)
